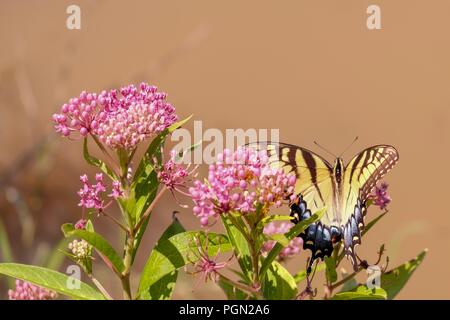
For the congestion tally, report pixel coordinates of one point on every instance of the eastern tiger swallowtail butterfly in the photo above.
(341, 189)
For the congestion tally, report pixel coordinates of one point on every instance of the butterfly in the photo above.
(341, 190)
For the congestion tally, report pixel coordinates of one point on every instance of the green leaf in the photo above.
(163, 288)
(174, 228)
(301, 275)
(183, 153)
(361, 293)
(97, 162)
(301, 226)
(278, 283)
(143, 190)
(394, 280)
(175, 252)
(240, 244)
(271, 218)
(50, 279)
(90, 226)
(231, 291)
(291, 234)
(138, 237)
(99, 243)
(280, 238)
(331, 269)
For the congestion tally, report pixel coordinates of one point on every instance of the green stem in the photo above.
(255, 263)
(117, 222)
(126, 287)
(255, 256)
(237, 284)
(127, 261)
(149, 210)
(100, 287)
(341, 282)
(251, 238)
(243, 231)
(113, 164)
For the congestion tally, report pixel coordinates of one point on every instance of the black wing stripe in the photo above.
(355, 164)
(291, 158)
(311, 163)
(366, 160)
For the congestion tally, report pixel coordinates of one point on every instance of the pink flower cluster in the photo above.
(174, 175)
(206, 266)
(27, 291)
(294, 245)
(239, 182)
(120, 119)
(380, 196)
(80, 114)
(117, 191)
(81, 224)
(91, 194)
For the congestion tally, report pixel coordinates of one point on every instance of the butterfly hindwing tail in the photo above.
(352, 232)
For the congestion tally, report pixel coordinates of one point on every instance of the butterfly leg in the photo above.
(308, 291)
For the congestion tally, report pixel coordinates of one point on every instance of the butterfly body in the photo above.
(342, 190)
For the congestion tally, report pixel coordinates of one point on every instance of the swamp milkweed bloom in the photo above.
(118, 118)
(27, 291)
(240, 182)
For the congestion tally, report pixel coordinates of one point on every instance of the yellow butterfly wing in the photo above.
(361, 175)
(314, 188)
(313, 173)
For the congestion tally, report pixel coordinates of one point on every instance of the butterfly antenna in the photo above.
(349, 146)
(326, 150)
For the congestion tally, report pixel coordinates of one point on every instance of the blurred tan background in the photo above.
(310, 68)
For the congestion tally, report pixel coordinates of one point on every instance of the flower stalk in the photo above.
(127, 261)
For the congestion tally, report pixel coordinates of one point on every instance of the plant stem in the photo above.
(100, 287)
(251, 238)
(243, 231)
(237, 284)
(106, 153)
(149, 210)
(117, 222)
(255, 260)
(127, 261)
(341, 282)
(255, 263)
